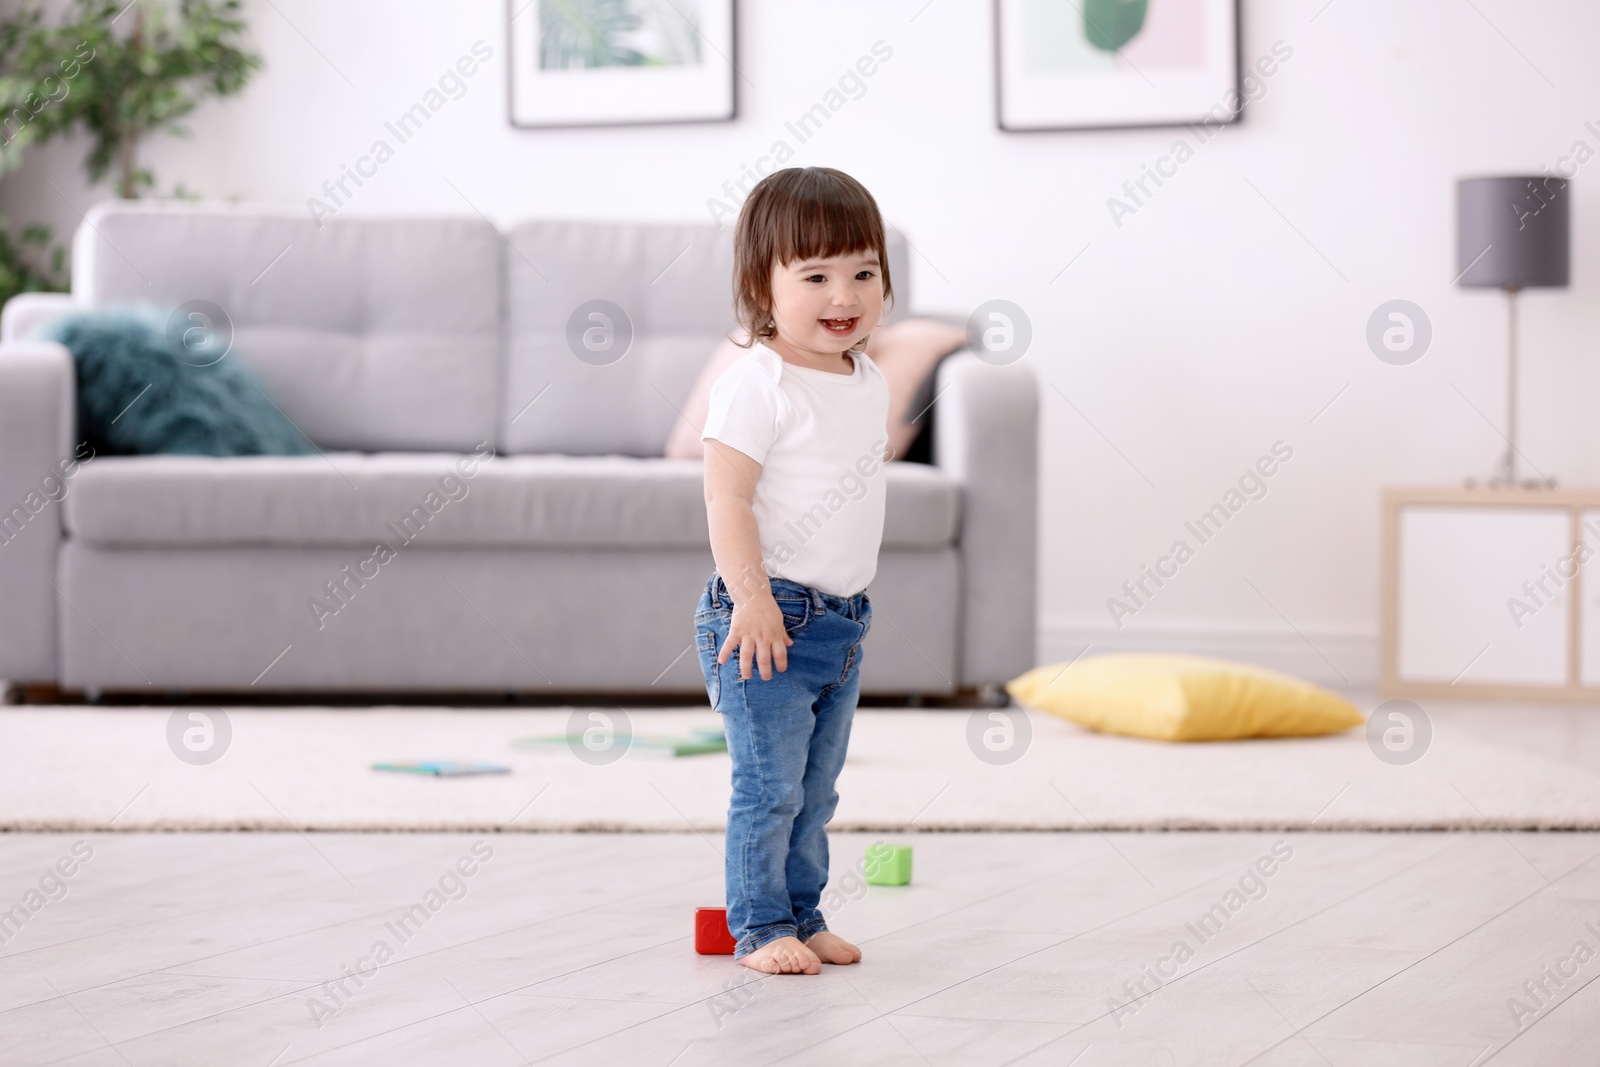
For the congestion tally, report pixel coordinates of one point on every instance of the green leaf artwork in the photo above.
(578, 34)
(1110, 24)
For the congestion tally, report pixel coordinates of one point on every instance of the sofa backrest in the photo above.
(674, 286)
(369, 333)
(416, 334)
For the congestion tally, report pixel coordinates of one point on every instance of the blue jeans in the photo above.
(787, 737)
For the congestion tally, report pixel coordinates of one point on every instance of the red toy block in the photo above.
(711, 936)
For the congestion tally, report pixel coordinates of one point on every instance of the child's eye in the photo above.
(814, 278)
(864, 274)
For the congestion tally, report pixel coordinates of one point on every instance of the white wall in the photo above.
(1172, 354)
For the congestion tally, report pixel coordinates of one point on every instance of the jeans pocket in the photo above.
(796, 613)
(706, 642)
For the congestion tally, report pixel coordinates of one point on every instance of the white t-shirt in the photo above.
(821, 439)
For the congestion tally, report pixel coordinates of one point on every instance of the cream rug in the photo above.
(77, 768)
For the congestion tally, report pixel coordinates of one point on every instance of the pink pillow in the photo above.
(906, 352)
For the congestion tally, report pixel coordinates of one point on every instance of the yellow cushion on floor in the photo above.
(1173, 697)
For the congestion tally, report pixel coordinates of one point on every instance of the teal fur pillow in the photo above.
(140, 392)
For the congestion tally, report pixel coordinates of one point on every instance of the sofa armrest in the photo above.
(986, 437)
(37, 460)
(27, 313)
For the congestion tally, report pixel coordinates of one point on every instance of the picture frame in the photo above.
(1116, 64)
(588, 63)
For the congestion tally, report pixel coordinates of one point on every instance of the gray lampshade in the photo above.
(1512, 232)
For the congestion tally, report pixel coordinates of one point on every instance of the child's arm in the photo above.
(757, 624)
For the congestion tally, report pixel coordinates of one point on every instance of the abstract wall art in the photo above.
(1106, 64)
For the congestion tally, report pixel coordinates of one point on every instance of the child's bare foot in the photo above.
(783, 955)
(831, 948)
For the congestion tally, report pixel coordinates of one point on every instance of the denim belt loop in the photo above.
(817, 606)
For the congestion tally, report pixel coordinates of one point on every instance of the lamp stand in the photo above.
(1505, 476)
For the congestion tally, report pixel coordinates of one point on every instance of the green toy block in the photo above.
(888, 864)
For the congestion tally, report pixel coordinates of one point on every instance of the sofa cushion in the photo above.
(674, 284)
(139, 393)
(369, 333)
(440, 499)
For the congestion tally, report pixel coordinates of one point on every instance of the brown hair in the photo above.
(793, 214)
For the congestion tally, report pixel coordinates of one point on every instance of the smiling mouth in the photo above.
(839, 325)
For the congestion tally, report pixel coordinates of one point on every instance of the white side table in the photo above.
(1484, 593)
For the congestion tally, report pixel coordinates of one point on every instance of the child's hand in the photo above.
(757, 630)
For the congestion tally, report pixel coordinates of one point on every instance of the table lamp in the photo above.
(1512, 234)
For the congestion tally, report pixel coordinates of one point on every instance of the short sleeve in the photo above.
(744, 410)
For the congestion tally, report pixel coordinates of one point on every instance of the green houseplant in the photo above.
(119, 73)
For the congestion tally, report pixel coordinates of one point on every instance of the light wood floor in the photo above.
(1360, 949)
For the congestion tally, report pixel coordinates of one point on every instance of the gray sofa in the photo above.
(568, 563)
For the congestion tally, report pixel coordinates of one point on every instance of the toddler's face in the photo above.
(827, 305)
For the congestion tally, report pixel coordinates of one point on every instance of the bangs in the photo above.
(822, 228)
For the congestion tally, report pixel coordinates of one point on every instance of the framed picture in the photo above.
(1115, 64)
(621, 62)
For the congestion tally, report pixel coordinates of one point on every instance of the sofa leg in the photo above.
(993, 695)
(33, 693)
